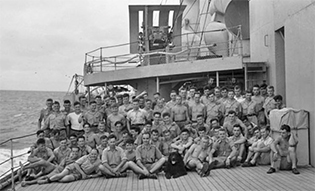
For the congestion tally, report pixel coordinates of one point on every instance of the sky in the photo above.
(43, 42)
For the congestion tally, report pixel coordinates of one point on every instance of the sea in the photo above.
(19, 113)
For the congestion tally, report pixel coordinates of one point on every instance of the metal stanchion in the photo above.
(12, 166)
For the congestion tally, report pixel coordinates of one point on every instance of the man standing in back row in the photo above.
(44, 113)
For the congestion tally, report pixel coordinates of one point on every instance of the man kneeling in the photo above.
(283, 149)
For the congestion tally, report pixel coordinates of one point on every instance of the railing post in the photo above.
(115, 63)
(101, 60)
(12, 166)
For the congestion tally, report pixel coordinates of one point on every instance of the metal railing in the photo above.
(11, 159)
(194, 49)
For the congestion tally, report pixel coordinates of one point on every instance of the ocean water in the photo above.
(19, 113)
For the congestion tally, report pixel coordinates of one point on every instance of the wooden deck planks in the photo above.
(254, 178)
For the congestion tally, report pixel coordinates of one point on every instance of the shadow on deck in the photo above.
(239, 178)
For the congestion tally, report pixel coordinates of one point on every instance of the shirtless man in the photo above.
(196, 156)
(127, 106)
(179, 113)
(91, 138)
(196, 108)
(233, 120)
(284, 150)
(114, 117)
(44, 113)
(259, 149)
(83, 102)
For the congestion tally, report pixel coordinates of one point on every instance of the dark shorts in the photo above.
(78, 133)
(285, 164)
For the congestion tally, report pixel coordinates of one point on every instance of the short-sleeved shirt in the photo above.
(73, 120)
(136, 116)
(148, 154)
(124, 109)
(269, 104)
(223, 148)
(86, 165)
(56, 120)
(44, 113)
(85, 150)
(267, 142)
(170, 104)
(213, 110)
(231, 106)
(61, 154)
(113, 156)
(249, 107)
(173, 127)
(43, 154)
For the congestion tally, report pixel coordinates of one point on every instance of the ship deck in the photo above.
(254, 178)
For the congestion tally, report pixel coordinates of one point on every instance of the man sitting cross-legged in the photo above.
(284, 150)
(223, 152)
(259, 149)
(195, 157)
(74, 155)
(113, 159)
(149, 158)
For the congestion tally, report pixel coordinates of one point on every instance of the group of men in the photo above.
(219, 128)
